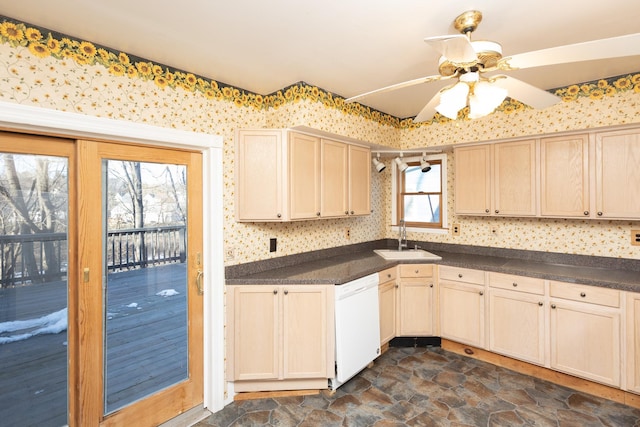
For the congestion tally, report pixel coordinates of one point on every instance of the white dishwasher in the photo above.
(357, 316)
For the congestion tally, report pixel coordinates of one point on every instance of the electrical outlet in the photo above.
(273, 244)
(347, 233)
(230, 253)
(635, 237)
(455, 229)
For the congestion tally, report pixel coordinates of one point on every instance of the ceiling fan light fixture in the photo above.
(485, 99)
(453, 100)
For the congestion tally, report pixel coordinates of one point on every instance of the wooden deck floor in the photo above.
(147, 344)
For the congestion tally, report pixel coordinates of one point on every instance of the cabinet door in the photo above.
(585, 341)
(564, 176)
(462, 313)
(514, 178)
(333, 178)
(618, 174)
(415, 311)
(633, 342)
(359, 180)
(259, 175)
(256, 345)
(473, 180)
(387, 296)
(516, 325)
(304, 176)
(304, 331)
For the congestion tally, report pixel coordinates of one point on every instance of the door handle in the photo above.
(199, 276)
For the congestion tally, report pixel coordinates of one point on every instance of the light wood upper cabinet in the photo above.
(473, 180)
(260, 175)
(359, 180)
(618, 174)
(583, 175)
(304, 176)
(564, 176)
(514, 178)
(496, 179)
(283, 175)
(335, 179)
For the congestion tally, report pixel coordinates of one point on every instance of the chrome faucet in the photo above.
(402, 235)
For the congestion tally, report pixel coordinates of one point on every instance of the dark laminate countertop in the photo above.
(361, 261)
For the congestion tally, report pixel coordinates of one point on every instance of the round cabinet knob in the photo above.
(346, 212)
(397, 285)
(486, 210)
(497, 211)
(481, 293)
(553, 306)
(431, 285)
(286, 292)
(417, 271)
(275, 292)
(389, 275)
(515, 284)
(318, 213)
(352, 212)
(599, 213)
(582, 294)
(586, 213)
(460, 275)
(540, 303)
(279, 215)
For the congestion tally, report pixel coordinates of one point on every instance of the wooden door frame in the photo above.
(42, 121)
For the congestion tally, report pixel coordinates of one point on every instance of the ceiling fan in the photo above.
(471, 62)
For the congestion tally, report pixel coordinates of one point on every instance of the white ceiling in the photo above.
(343, 46)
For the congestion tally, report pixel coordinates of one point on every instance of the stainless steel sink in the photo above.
(418, 254)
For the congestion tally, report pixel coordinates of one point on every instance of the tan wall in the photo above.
(92, 86)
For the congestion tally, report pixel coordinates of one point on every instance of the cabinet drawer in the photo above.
(388, 274)
(462, 274)
(516, 283)
(416, 270)
(583, 293)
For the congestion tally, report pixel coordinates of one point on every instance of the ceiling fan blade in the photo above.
(429, 110)
(525, 93)
(456, 48)
(398, 86)
(614, 47)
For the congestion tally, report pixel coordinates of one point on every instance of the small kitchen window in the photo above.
(420, 198)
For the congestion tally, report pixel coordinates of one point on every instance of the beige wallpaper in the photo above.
(40, 69)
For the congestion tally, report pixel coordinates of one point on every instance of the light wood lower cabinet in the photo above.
(633, 342)
(517, 317)
(462, 305)
(388, 300)
(585, 332)
(280, 337)
(416, 295)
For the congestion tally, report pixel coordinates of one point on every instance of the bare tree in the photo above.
(133, 179)
(28, 203)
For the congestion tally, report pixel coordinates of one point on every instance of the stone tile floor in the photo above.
(432, 387)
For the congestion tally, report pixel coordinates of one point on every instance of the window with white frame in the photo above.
(420, 198)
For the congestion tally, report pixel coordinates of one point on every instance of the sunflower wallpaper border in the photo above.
(43, 43)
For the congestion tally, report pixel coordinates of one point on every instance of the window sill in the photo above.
(394, 228)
